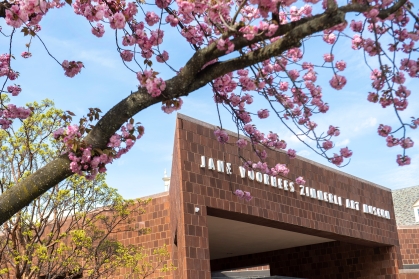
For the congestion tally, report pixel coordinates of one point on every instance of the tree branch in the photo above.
(188, 80)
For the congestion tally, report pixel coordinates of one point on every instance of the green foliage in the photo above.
(69, 230)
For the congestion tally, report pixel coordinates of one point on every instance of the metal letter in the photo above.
(228, 168)
(292, 190)
(266, 179)
(220, 166)
(319, 195)
(286, 185)
(365, 208)
(259, 177)
(242, 171)
(330, 198)
(280, 183)
(313, 193)
(251, 174)
(211, 164)
(273, 181)
(302, 190)
(202, 162)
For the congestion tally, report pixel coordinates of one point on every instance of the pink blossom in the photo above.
(403, 160)
(161, 58)
(115, 141)
(345, 152)
(247, 197)
(99, 30)
(356, 26)
(26, 54)
(127, 55)
(15, 16)
(151, 18)
(398, 78)
(172, 20)
(341, 65)
(357, 42)
(293, 74)
(337, 160)
(239, 193)
(329, 38)
(338, 82)
(372, 13)
(328, 57)
(72, 68)
(283, 86)
(117, 21)
(263, 113)
(241, 143)
(56, 134)
(327, 144)
(406, 143)
(280, 169)
(384, 130)
(392, 141)
(221, 135)
(300, 180)
(372, 97)
(291, 153)
(172, 105)
(14, 89)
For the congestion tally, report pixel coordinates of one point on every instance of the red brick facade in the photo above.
(409, 244)
(373, 238)
(365, 246)
(157, 219)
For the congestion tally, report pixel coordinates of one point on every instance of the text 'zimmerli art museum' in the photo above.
(335, 226)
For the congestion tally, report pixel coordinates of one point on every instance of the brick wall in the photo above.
(409, 244)
(211, 192)
(329, 260)
(157, 219)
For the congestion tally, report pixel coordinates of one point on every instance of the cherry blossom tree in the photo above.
(243, 49)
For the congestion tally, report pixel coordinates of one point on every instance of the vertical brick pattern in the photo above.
(409, 244)
(322, 261)
(212, 191)
(156, 218)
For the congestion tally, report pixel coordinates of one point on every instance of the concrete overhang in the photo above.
(229, 238)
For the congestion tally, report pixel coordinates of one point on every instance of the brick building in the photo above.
(406, 209)
(336, 226)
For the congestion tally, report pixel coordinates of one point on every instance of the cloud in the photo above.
(369, 122)
(345, 142)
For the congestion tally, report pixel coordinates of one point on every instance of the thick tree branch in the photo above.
(188, 80)
(290, 40)
(3, 6)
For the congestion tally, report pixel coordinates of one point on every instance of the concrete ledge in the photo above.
(404, 271)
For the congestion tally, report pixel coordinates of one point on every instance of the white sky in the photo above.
(104, 81)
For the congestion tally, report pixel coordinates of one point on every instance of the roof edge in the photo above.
(231, 133)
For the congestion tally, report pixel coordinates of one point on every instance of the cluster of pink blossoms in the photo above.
(243, 195)
(29, 12)
(89, 162)
(5, 69)
(153, 84)
(12, 112)
(72, 68)
(405, 143)
(172, 105)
